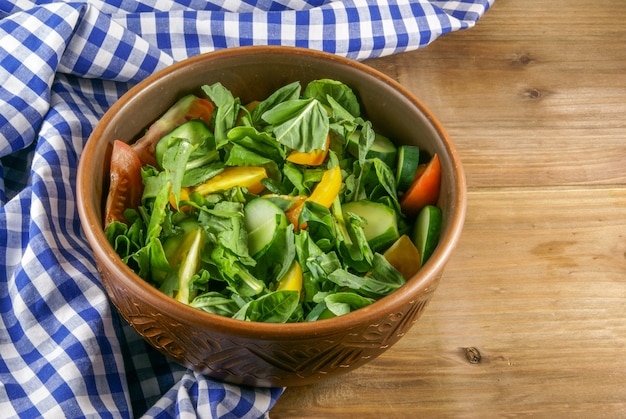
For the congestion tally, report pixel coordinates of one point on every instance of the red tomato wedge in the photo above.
(202, 109)
(424, 190)
(126, 185)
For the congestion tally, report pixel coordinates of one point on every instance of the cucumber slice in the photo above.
(408, 162)
(195, 131)
(189, 254)
(262, 220)
(381, 229)
(382, 147)
(427, 230)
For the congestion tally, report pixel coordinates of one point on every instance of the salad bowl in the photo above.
(256, 353)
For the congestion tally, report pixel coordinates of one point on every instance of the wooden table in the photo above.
(534, 98)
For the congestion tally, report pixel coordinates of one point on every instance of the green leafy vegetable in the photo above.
(231, 250)
(300, 124)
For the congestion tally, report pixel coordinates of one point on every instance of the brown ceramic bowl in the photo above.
(262, 354)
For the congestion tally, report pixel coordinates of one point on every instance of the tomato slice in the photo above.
(424, 190)
(126, 185)
(202, 109)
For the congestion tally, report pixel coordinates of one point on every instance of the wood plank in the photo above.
(539, 290)
(537, 90)
(534, 97)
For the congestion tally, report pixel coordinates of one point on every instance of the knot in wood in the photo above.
(472, 355)
(533, 93)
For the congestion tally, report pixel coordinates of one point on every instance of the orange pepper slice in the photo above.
(313, 158)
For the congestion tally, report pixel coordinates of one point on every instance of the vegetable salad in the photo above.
(287, 209)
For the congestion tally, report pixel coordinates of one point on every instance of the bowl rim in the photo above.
(92, 225)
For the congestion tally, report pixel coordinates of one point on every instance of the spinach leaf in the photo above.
(386, 180)
(174, 160)
(384, 272)
(235, 273)
(296, 177)
(341, 303)
(361, 246)
(225, 223)
(300, 124)
(353, 249)
(226, 113)
(242, 156)
(197, 175)
(284, 94)
(340, 92)
(371, 180)
(316, 265)
(216, 303)
(115, 234)
(260, 142)
(158, 211)
(368, 285)
(275, 307)
(339, 114)
(275, 262)
(366, 139)
(320, 225)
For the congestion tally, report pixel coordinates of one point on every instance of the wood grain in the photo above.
(534, 98)
(535, 87)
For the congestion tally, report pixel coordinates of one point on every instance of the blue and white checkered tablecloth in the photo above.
(64, 352)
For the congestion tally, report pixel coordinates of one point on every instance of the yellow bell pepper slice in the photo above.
(328, 188)
(404, 256)
(292, 281)
(184, 196)
(324, 194)
(243, 176)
